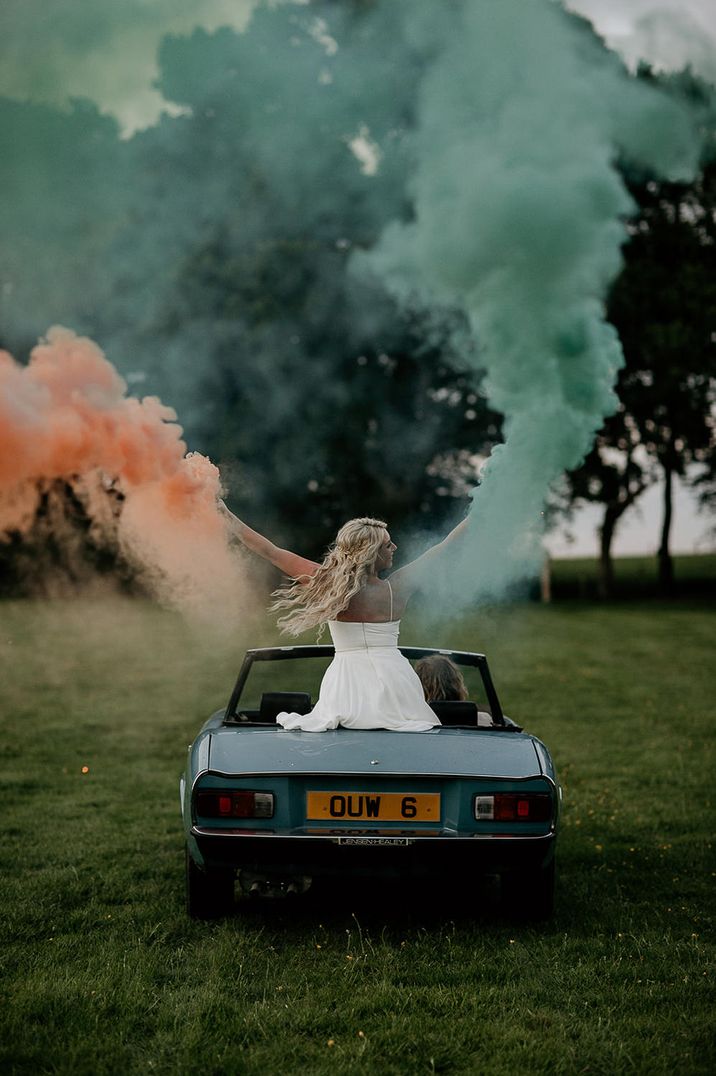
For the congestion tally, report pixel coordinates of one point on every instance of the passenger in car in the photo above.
(443, 682)
(441, 679)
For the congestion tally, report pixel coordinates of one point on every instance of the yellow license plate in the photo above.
(381, 806)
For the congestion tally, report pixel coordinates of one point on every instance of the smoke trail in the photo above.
(518, 217)
(66, 415)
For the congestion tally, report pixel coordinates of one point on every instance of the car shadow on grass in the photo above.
(378, 904)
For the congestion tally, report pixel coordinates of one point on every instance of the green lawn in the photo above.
(636, 577)
(103, 973)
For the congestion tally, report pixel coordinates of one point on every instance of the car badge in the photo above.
(375, 762)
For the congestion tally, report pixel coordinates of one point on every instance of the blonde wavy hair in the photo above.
(441, 679)
(314, 600)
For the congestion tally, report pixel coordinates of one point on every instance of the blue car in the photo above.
(279, 809)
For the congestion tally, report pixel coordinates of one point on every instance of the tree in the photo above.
(663, 305)
(71, 543)
(348, 419)
(614, 474)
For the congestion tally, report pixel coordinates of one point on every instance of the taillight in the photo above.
(227, 803)
(514, 807)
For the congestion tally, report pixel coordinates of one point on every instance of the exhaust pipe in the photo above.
(272, 887)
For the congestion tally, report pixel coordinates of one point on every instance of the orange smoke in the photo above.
(66, 415)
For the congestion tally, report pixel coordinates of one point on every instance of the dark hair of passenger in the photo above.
(441, 679)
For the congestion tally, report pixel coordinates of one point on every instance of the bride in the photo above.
(369, 684)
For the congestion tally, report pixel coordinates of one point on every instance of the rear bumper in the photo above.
(371, 854)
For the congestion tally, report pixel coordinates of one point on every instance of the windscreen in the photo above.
(306, 674)
(298, 674)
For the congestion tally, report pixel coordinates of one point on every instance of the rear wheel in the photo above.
(209, 893)
(529, 894)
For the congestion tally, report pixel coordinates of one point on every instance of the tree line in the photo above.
(663, 305)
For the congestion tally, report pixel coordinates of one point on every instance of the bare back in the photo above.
(374, 604)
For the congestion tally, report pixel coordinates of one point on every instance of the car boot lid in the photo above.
(378, 751)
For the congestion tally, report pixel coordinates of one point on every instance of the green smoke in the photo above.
(468, 149)
(519, 217)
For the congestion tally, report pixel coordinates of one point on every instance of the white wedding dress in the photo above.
(368, 685)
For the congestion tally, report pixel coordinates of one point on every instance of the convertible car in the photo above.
(475, 795)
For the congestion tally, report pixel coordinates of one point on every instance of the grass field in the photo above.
(103, 973)
(636, 577)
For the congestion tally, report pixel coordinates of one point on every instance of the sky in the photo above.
(668, 34)
(638, 531)
(54, 50)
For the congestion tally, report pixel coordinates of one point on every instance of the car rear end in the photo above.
(283, 808)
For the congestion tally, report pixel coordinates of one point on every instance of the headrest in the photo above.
(277, 702)
(454, 712)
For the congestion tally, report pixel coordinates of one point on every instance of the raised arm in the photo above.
(410, 576)
(289, 563)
